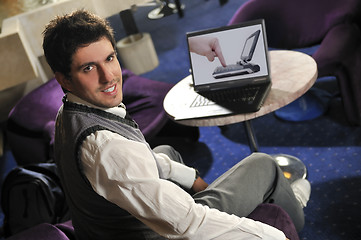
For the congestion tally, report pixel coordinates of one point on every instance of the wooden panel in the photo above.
(15, 63)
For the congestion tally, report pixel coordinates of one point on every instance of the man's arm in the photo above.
(186, 176)
(125, 173)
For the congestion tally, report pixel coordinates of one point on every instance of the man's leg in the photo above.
(256, 179)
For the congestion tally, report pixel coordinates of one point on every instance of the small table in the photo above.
(292, 74)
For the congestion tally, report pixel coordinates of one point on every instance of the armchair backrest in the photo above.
(298, 24)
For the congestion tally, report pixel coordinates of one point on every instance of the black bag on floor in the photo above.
(31, 195)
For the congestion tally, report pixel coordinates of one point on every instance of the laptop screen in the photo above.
(244, 49)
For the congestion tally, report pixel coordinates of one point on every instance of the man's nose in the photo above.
(105, 73)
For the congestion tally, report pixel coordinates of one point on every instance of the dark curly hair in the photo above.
(65, 34)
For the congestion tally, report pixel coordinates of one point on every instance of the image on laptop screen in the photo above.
(244, 48)
(250, 46)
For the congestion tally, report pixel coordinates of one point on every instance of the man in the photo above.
(117, 187)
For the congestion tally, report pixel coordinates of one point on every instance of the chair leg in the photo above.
(166, 8)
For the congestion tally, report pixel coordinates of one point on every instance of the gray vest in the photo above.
(93, 216)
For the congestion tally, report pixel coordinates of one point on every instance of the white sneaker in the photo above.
(302, 191)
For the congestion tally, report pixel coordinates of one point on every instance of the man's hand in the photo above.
(208, 47)
(199, 185)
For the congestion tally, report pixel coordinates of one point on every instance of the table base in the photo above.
(292, 167)
(166, 9)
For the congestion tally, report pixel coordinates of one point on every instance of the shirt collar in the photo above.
(119, 111)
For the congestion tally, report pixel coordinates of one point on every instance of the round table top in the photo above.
(292, 74)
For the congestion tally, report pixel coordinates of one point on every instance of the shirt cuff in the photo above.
(183, 175)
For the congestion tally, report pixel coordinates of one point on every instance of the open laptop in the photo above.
(240, 87)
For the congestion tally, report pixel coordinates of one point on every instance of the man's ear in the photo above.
(64, 82)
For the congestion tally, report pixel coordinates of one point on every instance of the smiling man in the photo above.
(98, 74)
(116, 186)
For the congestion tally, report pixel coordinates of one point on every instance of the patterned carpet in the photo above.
(329, 147)
(332, 159)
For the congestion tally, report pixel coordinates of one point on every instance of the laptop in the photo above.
(240, 87)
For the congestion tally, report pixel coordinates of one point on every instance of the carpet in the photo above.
(329, 147)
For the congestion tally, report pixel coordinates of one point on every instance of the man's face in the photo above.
(96, 76)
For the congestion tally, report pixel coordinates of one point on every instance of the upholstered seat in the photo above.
(332, 25)
(46, 231)
(31, 123)
(268, 213)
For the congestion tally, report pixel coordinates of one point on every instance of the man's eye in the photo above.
(87, 68)
(110, 58)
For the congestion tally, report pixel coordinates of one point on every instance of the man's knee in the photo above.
(261, 160)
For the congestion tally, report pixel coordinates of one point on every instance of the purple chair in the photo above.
(47, 231)
(267, 213)
(275, 216)
(30, 126)
(334, 25)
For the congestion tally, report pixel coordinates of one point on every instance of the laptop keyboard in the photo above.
(201, 101)
(236, 95)
(228, 68)
(230, 96)
(232, 69)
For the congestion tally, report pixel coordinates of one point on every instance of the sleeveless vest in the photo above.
(93, 216)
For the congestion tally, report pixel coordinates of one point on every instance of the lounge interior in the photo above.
(322, 128)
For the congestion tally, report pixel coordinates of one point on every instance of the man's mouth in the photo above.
(111, 89)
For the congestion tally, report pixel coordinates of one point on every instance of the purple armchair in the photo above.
(268, 213)
(30, 126)
(47, 231)
(332, 24)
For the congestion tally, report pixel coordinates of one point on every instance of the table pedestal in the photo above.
(292, 167)
(166, 9)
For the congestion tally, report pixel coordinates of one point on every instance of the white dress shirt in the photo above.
(126, 173)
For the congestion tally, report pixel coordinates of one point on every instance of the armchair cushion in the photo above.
(275, 216)
(43, 231)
